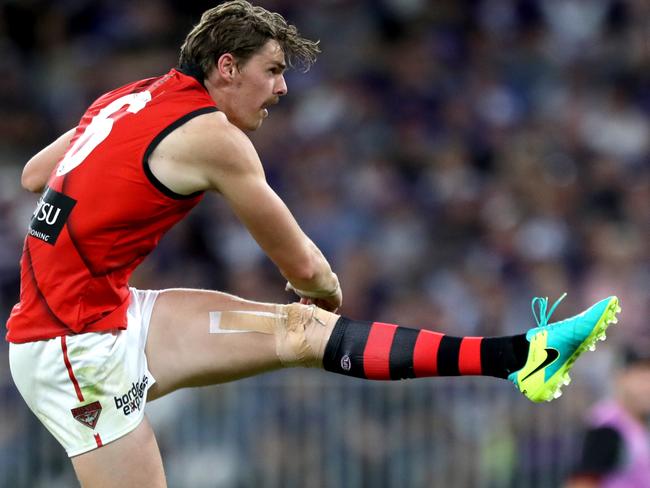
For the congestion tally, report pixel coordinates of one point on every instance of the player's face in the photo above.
(258, 84)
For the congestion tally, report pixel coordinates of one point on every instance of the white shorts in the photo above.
(88, 389)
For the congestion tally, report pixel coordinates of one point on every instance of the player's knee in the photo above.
(302, 334)
(301, 331)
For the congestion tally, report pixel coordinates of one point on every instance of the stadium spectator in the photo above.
(616, 446)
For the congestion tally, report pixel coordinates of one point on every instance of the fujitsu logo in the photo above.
(46, 212)
(131, 401)
(50, 215)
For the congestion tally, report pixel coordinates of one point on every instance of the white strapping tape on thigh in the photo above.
(233, 321)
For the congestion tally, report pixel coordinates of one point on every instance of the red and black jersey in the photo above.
(103, 211)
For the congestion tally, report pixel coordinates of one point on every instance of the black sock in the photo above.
(504, 355)
(374, 350)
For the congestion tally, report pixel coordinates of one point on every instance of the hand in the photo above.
(331, 302)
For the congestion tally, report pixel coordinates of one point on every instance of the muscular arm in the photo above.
(224, 160)
(38, 169)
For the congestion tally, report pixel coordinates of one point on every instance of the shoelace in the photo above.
(542, 303)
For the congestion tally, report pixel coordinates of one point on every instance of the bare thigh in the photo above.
(181, 351)
(130, 461)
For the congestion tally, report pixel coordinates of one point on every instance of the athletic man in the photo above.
(87, 351)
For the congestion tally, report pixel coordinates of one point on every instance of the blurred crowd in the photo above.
(452, 159)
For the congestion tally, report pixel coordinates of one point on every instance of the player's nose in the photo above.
(280, 88)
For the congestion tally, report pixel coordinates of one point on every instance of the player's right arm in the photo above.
(38, 169)
(223, 159)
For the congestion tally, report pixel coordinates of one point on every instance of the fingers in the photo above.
(331, 303)
(320, 303)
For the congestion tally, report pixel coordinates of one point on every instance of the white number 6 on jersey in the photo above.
(99, 128)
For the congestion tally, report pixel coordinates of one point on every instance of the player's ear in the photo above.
(227, 66)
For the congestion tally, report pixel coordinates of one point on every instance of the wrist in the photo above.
(320, 292)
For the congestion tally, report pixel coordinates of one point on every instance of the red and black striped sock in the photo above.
(378, 351)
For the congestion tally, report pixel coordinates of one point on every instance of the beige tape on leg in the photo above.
(301, 331)
(243, 321)
(307, 332)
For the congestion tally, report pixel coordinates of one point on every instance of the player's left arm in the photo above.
(38, 169)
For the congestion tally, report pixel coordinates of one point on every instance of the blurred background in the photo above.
(452, 159)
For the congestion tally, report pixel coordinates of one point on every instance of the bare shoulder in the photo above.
(218, 141)
(197, 154)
